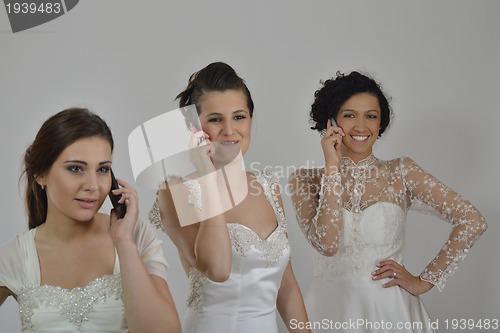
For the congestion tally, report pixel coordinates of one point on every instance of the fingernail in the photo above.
(378, 265)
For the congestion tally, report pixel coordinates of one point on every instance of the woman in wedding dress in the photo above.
(353, 212)
(77, 270)
(228, 224)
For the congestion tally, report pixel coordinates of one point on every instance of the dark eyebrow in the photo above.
(220, 114)
(213, 114)
(85, 163)
(352, 110)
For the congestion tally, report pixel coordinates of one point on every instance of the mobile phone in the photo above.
(334, 123)
(120, 209)
(192, 120)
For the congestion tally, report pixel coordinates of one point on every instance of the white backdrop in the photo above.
(126, 60)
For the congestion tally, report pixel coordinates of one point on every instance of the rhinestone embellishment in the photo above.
(75, 304)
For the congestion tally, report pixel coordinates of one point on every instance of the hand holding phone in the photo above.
(120, 208)
(200, 136)
(333, 122)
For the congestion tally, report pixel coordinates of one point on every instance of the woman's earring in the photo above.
(42, 186)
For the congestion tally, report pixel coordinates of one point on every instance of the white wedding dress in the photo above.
(372, 200)
(246, 302)
(96, 308)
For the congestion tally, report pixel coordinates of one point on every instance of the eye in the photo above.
(75, 168)
(240, 117)
(104, 169)
(348, 115)
(372, 116)
(214, 120)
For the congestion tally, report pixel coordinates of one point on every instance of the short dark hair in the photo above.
(336, 91)
(217, 76)
(56, 133)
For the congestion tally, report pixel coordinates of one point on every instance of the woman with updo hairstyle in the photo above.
(75, 269)
(353, 213)
(228, 224)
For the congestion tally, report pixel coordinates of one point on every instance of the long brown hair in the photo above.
(56, 133)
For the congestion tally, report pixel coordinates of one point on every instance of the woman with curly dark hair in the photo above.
(353, 212)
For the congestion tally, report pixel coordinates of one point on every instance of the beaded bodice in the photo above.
(96, 307)
(360, 214)
(75, 306)
(257, 264)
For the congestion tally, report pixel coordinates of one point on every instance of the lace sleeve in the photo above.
(317, 202)
(270, 183)
(193, 188)
(468, 224)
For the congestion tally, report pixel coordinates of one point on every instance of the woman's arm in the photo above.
(468, 224)
(206, 245)
(148, 304)
(192, 213)
(290, 303)
(316, 196)
(317, 202)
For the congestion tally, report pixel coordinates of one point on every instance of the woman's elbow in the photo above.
(484, 225)
(218, 272)
(326, 246)
(327, 251)
(479, 224)
(217, 275)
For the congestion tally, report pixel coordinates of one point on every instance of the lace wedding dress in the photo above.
(366, 209)
(246, 302)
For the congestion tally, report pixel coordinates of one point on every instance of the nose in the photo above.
(360, 124)
(91, 182)
(228, 129)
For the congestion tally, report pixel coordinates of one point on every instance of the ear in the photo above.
(40, 180)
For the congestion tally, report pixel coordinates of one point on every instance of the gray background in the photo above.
(126, 60)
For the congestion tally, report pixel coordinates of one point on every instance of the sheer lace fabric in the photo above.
(194, 198)
(330, 211)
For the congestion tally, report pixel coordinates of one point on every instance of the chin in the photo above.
(86, 217)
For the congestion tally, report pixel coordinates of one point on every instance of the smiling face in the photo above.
(78, 181)
(359, 118)
(226, 119)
